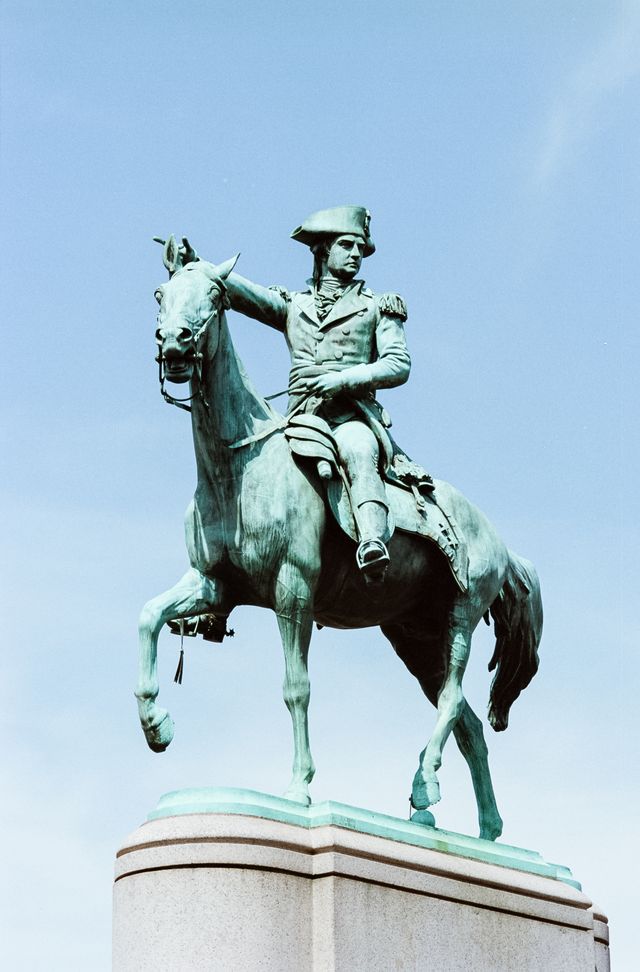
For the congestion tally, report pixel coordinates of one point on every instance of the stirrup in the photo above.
(372, 558)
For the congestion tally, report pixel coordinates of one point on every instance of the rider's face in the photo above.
(345, 256)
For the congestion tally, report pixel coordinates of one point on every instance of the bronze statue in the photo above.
(272, 521)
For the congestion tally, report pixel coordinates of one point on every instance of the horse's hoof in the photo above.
(492, 830)
(298, 794)
(425, 792)
(433, 791)
(419, 795)
(159, 736)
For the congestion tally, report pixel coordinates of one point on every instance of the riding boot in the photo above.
(372, 555)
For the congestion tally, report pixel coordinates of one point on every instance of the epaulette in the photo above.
(393, 305)
(284, 293)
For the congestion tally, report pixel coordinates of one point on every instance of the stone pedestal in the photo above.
(236, 880)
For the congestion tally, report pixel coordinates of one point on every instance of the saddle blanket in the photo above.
(414, 504)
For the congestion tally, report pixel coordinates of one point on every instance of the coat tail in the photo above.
(517, 618)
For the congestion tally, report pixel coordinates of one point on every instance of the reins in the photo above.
(278, 426)
(170, 399)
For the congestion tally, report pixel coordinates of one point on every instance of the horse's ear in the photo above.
(224, 269)
(171, 256)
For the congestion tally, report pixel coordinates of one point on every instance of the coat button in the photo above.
(320, 336)
(338, 353)
(346, 330)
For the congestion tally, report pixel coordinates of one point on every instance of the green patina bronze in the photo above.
(320, 515)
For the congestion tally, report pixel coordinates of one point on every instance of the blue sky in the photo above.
(496, 145)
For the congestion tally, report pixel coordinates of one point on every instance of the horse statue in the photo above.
(259, 531)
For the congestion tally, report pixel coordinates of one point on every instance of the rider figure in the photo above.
(345, 343)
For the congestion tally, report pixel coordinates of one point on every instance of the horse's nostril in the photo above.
(185, 334)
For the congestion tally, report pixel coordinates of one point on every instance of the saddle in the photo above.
(415, 504)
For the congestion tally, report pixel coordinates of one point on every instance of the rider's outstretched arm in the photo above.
(267, 306)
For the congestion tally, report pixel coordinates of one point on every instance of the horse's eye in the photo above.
(158, 296)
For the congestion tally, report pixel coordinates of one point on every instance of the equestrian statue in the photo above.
(319, 515)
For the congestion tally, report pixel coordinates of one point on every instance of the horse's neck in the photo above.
(231, 411)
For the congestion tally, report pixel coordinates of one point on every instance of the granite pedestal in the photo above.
(235, 880)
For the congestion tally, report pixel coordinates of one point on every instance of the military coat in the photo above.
(362, 335)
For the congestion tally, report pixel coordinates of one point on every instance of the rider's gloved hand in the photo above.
(326, 384)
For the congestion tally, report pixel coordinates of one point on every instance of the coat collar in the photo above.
(354, 299)
(350, 302)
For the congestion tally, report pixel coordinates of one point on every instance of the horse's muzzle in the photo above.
(178, 368)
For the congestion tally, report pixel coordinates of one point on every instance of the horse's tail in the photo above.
(517, 620)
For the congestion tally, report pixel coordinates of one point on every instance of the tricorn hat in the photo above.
(343, 220)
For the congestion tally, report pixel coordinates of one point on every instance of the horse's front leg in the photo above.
(451, 703)
(193, 594)
(295, 619)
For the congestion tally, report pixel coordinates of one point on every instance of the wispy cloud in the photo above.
(577, 109)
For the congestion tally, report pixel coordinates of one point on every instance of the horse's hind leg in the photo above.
(470, 739)
(193, 594)
(422, 655)
(294, 612)
(451, 704)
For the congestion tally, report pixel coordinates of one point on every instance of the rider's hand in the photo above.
(327, 385)
(187, 252)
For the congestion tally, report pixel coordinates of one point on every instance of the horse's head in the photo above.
(191, 306)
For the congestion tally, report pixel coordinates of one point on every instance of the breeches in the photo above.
(359, 452)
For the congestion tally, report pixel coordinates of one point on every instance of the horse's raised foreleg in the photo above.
(295, 619)
(193, 594)
(451, 704)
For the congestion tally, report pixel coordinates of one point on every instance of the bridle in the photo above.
(221, 301)
(196, 380)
